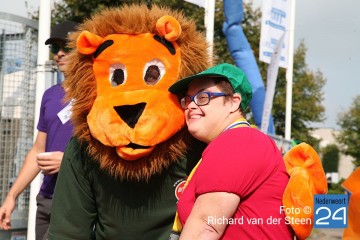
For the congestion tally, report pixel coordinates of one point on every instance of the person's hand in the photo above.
(5, 212)
(49, 162)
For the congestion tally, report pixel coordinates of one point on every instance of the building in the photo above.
(327, 137)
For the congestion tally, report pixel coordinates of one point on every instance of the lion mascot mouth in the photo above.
(119, 77)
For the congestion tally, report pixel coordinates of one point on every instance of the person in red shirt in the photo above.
(236, 190)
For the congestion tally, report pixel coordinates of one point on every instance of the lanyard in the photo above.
(238, 123)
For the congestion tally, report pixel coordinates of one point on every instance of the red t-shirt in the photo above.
(246, 162)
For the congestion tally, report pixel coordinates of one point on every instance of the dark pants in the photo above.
(43, 214)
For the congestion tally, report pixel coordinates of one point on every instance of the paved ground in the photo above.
(326, 234)
(317, 234)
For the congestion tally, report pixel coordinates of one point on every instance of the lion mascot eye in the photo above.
(117, 74)
(153, 72)
(152, 75)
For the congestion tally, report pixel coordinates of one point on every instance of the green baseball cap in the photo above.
(234, 75)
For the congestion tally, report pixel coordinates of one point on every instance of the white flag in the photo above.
(275, 21)
(201, 3)
(272, 73)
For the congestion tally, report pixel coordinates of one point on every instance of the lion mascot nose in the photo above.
(130, 114)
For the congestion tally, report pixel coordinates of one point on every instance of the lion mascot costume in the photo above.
(124, 168)
(127, 164)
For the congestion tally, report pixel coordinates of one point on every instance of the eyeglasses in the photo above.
(55, 48)
(200, 99)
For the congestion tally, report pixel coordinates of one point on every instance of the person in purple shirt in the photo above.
(54, 132)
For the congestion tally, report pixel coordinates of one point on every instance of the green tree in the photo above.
(349, 135)
(78, 11)
(307, 96)
(307, 85)
(330, 158)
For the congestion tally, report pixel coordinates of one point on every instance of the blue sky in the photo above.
(331, 31)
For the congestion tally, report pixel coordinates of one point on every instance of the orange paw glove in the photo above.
(352, 185)
(307, 178)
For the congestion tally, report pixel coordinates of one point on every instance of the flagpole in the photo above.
(43, 56)
(209, 23)
(289, 72)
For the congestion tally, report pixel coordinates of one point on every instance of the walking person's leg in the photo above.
(43, 214)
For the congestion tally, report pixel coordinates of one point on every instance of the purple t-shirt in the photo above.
(58, 133)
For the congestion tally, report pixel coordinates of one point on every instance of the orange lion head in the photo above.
(119, 75)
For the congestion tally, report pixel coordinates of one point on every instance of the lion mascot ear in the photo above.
(168, 27)
(307, 178)
(87, 42)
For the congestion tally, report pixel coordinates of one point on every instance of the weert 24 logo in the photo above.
(331, 210)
